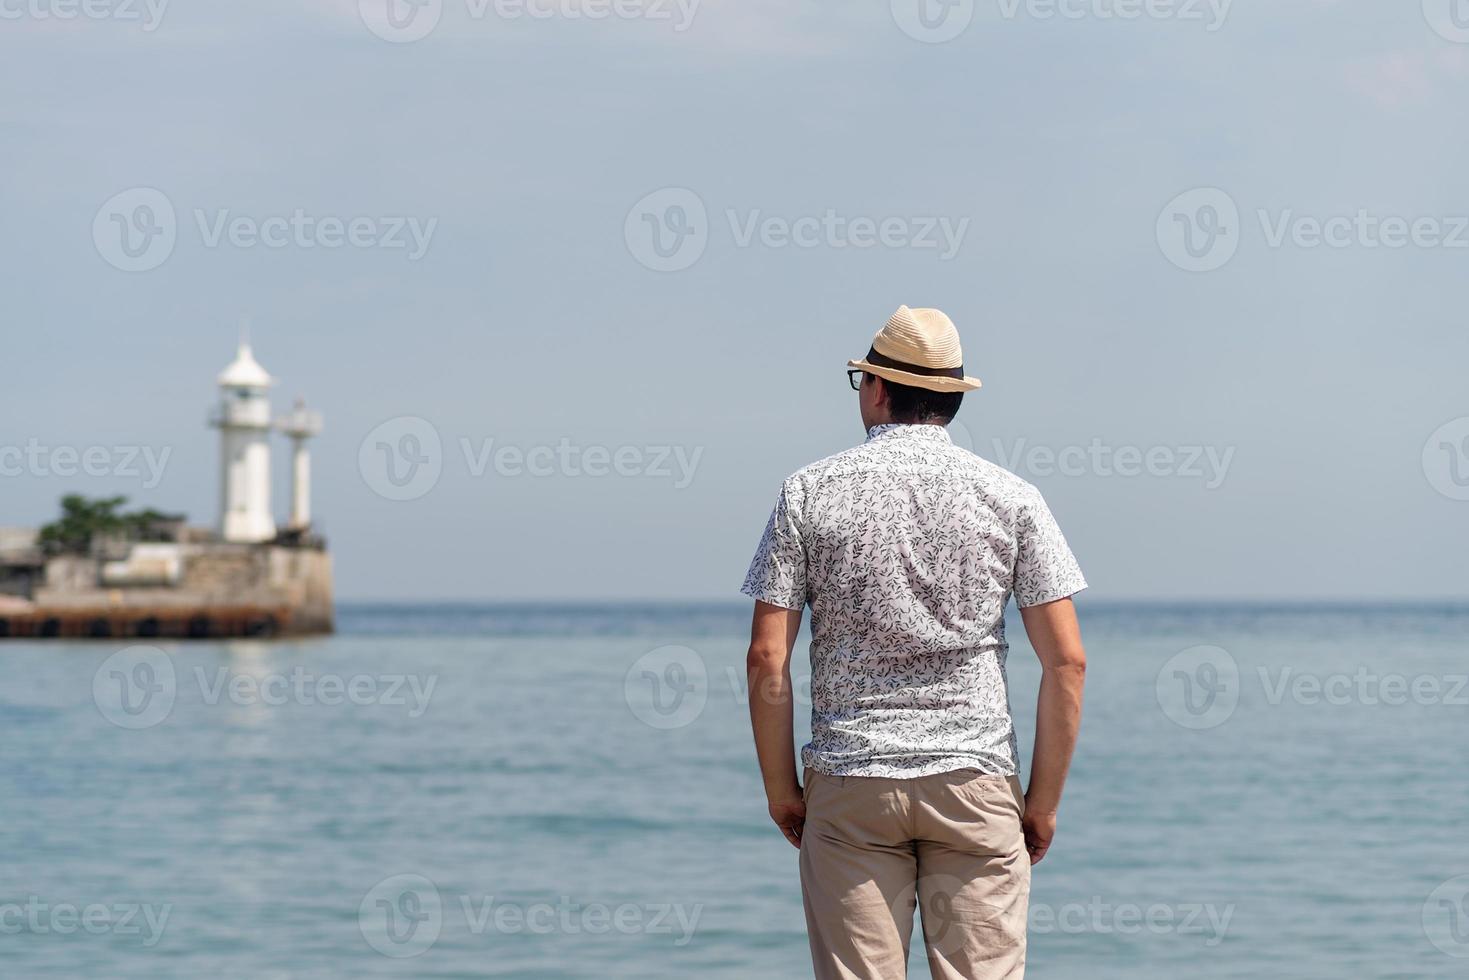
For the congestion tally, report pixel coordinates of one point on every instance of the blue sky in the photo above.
(1282, 394)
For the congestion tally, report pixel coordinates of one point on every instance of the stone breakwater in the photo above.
(197, 591)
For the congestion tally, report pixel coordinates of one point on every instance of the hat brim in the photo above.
(930, 381)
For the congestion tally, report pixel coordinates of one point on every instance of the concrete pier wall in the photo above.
(222, 590)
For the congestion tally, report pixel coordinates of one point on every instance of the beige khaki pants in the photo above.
(951, 844)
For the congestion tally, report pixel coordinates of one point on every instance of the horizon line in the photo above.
(1345, 600)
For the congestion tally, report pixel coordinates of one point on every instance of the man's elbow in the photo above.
(764, 660)
(1069, 665)
(767, 673)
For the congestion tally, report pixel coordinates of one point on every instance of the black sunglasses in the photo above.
(855, 377)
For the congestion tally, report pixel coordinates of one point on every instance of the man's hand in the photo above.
(1039, 829)
(790, 817)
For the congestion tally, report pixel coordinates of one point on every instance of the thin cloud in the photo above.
(1402, 78)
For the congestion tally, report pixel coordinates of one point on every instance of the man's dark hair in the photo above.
(918, 405)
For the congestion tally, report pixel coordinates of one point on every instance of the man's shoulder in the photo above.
(998, 479)
(951, 460)
(1008, 495)
(812, 475)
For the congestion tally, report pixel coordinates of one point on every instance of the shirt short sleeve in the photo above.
(1045, 568)
(777, 573)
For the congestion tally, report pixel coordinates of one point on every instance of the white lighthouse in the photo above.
(244, 426)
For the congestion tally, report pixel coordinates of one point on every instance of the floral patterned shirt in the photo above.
(908, 548)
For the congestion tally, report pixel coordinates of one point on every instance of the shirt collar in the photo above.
(904, 430)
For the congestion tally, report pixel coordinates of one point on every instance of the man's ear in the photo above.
(880, 395)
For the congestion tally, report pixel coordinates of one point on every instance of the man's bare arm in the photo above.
(1056, 637)
(768, 668)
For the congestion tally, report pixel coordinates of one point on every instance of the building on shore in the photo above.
(152, 575)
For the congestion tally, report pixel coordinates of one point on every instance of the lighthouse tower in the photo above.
(244, 426)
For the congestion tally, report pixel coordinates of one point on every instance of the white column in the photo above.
(300, 484)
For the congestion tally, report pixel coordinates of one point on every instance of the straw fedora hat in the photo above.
(918, 348)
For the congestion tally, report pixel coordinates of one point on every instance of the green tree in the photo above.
(83, 520)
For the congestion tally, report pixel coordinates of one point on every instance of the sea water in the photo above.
(571, 791)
